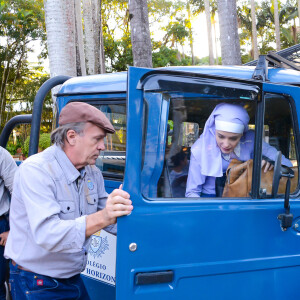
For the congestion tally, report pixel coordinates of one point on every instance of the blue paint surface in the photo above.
(217, 249)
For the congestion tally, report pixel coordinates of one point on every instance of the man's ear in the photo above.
(71, 137)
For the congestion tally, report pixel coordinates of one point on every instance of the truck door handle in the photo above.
(154, 277)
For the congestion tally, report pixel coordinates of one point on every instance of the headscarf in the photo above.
(205, 150)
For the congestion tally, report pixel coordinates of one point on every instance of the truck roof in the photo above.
(117, 82)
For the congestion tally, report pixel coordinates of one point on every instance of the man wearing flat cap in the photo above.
(58, 202)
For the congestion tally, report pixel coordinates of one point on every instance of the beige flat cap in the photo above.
(83, 112)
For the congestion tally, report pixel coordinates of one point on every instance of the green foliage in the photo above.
(11, 148)
(25, 147)
(118, 53)
(265, 26)
(176, 32)
(165, 57)
(198, 6)
(21, 21)
(44, 142)
(168, 17)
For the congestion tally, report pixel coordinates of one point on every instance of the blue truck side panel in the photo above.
(216, 249)
(99, 290)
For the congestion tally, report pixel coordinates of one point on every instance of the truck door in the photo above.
(174, 247)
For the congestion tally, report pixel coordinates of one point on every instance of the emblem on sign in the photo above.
(98, 246)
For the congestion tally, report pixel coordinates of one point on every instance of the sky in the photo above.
(33, 56)
(200, 36)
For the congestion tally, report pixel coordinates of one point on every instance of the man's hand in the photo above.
(3, 238)
(118, 204)
(268, 166)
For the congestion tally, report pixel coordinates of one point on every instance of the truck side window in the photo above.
(167, 162)
(112, 161)
(279, 133)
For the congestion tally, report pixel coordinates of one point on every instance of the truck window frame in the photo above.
(295, 126)
(152, 84)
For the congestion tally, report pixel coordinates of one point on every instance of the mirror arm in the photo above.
(287, 196)
(286, 219)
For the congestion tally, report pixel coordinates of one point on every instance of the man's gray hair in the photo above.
(59, 135)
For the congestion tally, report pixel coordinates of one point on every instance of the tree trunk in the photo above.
(80, 58)
(254, 32)
(191, 33)
(294, 30)
(60, 26)
(101, 46)
(277, 29)
(13, 84)
(93, 36)
(6, 72)
(299, 11)
(140, 33)
(89, 36)
(97, 19)
(209, 34)
(230, 43)
(216, 41)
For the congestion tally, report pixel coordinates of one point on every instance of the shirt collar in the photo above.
(66, 165)
(236, 151)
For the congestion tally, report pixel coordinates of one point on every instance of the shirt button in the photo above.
(85, 253)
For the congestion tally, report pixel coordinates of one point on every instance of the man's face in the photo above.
(88, 145)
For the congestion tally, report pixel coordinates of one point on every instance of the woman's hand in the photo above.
(266, 165)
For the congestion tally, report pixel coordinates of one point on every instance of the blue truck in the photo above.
(173, 247)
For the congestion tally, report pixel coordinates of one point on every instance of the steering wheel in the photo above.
(277, 174)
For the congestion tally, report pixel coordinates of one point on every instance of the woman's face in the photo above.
(227, 141)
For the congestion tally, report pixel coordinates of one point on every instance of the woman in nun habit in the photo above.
(225, 136)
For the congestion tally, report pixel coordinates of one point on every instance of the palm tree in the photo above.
(210, 9)
(80, 57)
(93, 36)
(230, 43)
(190, 31)
(299, 11)
(140, 33)
(254, 31)
(209, 35)
(277, 28)
(60, 26)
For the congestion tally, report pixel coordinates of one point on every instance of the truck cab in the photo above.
(177, 247)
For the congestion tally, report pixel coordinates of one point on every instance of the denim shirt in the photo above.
(8, 168)
(48, 213)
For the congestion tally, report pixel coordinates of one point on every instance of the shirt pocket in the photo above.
(67, 209)
(92, 203)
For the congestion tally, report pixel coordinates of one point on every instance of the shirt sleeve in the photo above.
(8, 168)
(195, 179)
(49, 231)
(271, 152)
